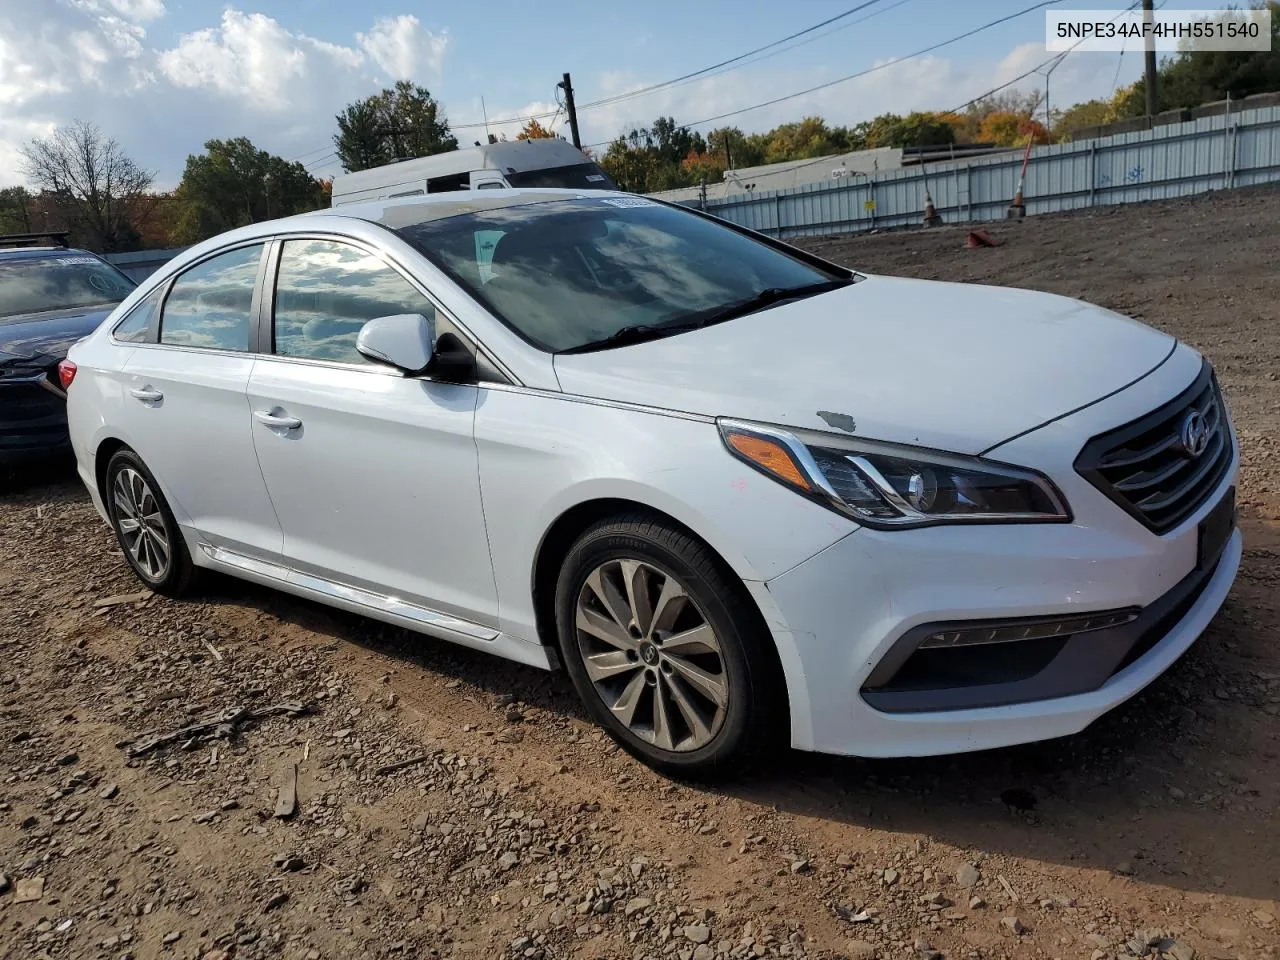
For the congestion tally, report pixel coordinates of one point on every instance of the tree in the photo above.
(99, 190)
(1191, 78)
(402, 122)
(1007, 129)
(15, 210)
(914, 130)
(234, 183)
(533, 130)
(1090, 113)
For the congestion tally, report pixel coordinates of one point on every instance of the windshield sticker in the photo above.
(594, 177)
(69, 260)
(628, 202)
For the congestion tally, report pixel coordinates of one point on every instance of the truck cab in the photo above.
(493, 166)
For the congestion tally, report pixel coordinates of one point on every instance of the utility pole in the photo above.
(567, 86)
(1149, 40)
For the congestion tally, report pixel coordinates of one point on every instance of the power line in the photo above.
(688, 76)
(724, 63)
(868, 70)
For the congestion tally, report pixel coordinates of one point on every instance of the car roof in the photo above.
(41, 253)
(404, 211)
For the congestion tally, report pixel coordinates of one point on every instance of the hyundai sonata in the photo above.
(744, 496)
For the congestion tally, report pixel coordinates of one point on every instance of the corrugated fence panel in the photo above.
(1210, 153)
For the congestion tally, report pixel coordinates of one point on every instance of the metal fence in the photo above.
(1211, 153)
(140, 264)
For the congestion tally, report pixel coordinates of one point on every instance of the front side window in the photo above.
(59, 282)
(327, 290)
(211, 305)
(569, 274)
(136, 327)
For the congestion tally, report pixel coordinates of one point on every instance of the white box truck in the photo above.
(509, 163)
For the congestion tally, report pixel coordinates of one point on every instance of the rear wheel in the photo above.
(145, 527)
(664, 650)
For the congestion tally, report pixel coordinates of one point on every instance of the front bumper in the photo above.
(838, 616)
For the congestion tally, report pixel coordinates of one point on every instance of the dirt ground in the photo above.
(449, 804)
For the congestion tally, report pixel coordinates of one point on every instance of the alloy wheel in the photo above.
(651, 655)
(140, 523)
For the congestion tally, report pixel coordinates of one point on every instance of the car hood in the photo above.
(953, 366)
(40, 339)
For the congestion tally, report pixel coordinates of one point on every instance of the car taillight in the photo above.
(66, 373)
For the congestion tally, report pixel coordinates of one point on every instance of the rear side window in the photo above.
(211, 304)
(139, 324)
(327, 290)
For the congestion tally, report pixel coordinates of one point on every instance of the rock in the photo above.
(967, 876)
(890, 877)
(703, 952)
(508, 861)
(109, 791)
(173, 936)
(697, 933)
(67, 759)
(1124, 868)
(844, 861)
(1181, 951)
(4, 883)
(801, 866)
(1013, 925)
(277, 899)
(861, 950)
(976, 903)
(29, 891)
(1264, 918)
(636, 905)
(1177, 794)
(287, 799)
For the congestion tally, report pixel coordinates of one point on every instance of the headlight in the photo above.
(892, 486)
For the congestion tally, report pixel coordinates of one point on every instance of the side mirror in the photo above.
(404, 340)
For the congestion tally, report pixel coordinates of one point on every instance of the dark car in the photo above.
(50, 297)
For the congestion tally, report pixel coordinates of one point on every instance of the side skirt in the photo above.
(376, 606)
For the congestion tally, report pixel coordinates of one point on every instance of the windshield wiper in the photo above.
(770, 296)
(636, 333)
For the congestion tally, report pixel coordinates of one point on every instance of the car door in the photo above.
(374, 475)
(186, 406)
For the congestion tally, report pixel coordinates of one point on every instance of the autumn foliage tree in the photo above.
(533, 130)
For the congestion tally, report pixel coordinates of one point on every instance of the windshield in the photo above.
(37, 284)
(582, 176)
(566, 273)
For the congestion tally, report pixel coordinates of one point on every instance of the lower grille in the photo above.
(1161, 467)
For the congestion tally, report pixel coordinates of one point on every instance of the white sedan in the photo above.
(745, 497)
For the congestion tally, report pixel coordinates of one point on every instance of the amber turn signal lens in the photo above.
(770, 456)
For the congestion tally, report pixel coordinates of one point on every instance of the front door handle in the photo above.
(276, 422)
(146, 394)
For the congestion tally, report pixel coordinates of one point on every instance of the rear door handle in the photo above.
(276, 422)
(146, 394)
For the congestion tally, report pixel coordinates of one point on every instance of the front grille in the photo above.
(1145, 466)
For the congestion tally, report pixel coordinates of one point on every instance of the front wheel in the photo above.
(665, 652)
(144, 526)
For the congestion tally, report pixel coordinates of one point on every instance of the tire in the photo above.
(696, 692)
(134, 503)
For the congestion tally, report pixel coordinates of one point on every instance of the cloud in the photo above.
(135, 10)
(403, 48)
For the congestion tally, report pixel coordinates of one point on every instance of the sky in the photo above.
(164, 76)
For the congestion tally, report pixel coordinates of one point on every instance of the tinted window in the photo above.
(572, 272)
(581, 175)
(36, 284)
(210, 305)
(137, 325)
(326, 291)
